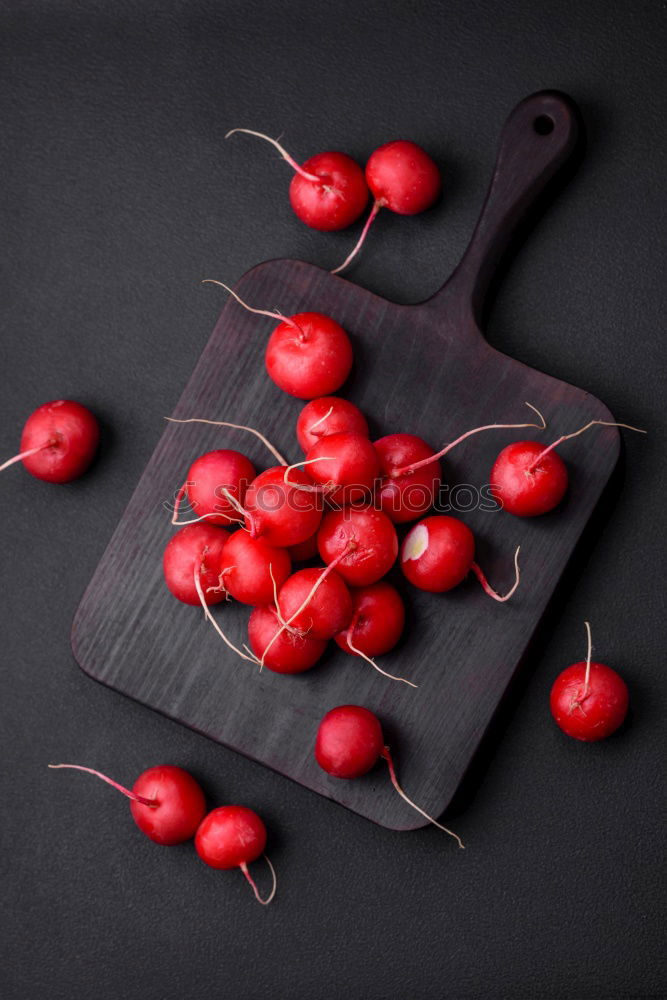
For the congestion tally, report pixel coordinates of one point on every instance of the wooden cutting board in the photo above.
(423, 369)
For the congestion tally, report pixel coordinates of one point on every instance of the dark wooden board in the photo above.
(424, 369)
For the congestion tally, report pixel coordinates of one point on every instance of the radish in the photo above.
(401, 177)
(328, 192)
(405, 497)
(166, 802)
(307, 355)
(281, 513)
(277, 648)
(58, 442)
(350, 742)
(363, 539)
(589, 701)
(529, 479)
(327, 610)
(304, 551)
(328, 415)
(249, 569)
(194, 554)
(439, 552)
(378, 617)
(308, 610)
(232, 837)
(345, 467)
(210, 478)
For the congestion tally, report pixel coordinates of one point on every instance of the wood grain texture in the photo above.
(424, 369)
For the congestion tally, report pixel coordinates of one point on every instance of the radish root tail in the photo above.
(488, 589)
(114, 784)
(568, 437)
(194, 520)
(275, 596)
(368, 659)
(360, 242)
(320, 421)
(476, 430)
(318, 488)
(211, 619)
(265, 902)
(386, 753)
(238, 427)
(25, 454)
(283, 152)
(589, 652)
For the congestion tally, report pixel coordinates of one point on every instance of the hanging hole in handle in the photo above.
(543, 125)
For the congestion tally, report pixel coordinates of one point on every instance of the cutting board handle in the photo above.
(539, 136)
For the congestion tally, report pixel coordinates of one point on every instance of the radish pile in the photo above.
(344, 502)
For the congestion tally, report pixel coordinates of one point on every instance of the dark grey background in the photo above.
(118, 195)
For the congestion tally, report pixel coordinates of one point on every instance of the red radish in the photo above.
(277, 648)
(304, 550)
(401, 177)
(209, 479)
(281, 513)
(350, 742)
(58, 442)
(439, 552)
(524, 488)
(327, 611)
(364, 538)
(378, 617)
(406, 497)
(250, 568)
(232, 837)
(328, 192)
(195, 553)
(312, 610)
(166, 802)
(328, 415)
(307, 355)
(529, 479)
(589, 701)
(345, 467)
